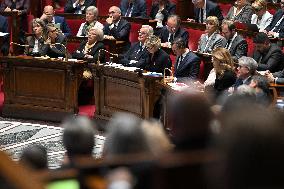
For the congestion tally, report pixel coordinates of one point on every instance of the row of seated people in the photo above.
(147, 54)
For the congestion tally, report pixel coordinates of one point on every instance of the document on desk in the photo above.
(178, 86)
(3, 34)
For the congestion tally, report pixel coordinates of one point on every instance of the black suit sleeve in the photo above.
(272, 62)
(78, 54)
(122, 34)
(241, 50)
(217, 12)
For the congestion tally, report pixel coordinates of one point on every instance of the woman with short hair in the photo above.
(36, 41)
(157, 59)
(211, 39)
(91, 22)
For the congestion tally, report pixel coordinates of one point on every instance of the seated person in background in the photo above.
(20, 6)
(49, 18)
(78, 6)
(246, 69)
(55, 44)
(158, 59)
(261, 85)
(116, 27)
(89, 50)
(187, 63)
(172, 31)
(36, 41)
(91, 22)
(262, 18)
(236, 44)
(138, 53)
(241, 12)
(224, 69)
(269, 56)
(133, 8)
(35, 157)
(161, 10)
(276, 27)
(4, 28)
(211, 39)
(205, 8)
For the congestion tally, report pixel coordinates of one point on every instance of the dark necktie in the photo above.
(128, 12)
(179, 61)
(171, 38)
(228, 43)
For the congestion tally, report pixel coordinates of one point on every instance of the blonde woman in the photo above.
(211, 39)
(91, 22)
(262, 18)
(224, 68)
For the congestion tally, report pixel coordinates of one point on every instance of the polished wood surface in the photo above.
(121, 90)
(40, 88)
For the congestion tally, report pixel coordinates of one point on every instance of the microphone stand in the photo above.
(13, 43)
(110, 58)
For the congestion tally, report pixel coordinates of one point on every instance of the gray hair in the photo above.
(99, 32)
(150, 30)
(153, 41)
(93, 9)
(248, 62)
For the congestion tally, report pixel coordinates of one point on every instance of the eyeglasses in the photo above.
(169, 27)
(112, 12)
(52, 31)
(149, 47)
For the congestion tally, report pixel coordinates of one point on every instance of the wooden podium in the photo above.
(119, 90)
(39, 88)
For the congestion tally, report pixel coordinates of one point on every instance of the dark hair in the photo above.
(180, 43)
(35, 156)
(78, 136)
(261, 38)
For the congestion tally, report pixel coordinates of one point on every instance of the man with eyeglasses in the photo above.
(172, 31)
(117, 28)
(49, 18)
(246, 69)
(133, 8)
(204, 9)
(138, 52)
(276, 27)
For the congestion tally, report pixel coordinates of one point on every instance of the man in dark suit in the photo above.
(172, 31)
(116, 27)
(21, 6)
(48, 17)
(133, 8)
(138, 53)
(268, 56)
(4, 29)
(246, 69)
(205, 8)
(187, 63)
(276, 27)
(236, 44)
(276, 77)
(78, 6)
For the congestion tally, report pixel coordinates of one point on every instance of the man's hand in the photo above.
(109, 20)
(43, 17)
(190, 20)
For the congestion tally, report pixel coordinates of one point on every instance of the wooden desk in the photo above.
(120, 90)
(40, 89)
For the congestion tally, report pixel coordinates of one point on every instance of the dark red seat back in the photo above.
(135, 27)
(74, 25)
(194, 36)
(104, 5)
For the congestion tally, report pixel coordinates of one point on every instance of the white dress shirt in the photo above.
(263, 22)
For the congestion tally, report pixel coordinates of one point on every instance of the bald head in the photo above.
(48, 13)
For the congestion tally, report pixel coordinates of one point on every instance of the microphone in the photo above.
(110, 58)
(65, 50)
(13, 43)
